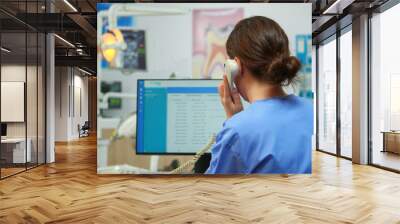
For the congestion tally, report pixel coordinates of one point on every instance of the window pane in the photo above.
(15, 150)
(22, 82)
(386, 89)
(346, 94)
(31, 100)
(41, 99)
(314, 86)
(327, 97)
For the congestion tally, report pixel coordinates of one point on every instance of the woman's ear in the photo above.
(240, 67)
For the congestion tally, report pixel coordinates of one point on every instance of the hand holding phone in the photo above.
(230, 98)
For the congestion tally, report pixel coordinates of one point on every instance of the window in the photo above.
(346, 93)
(22, 77)
(314, 89)
(327, 96)
(385, 89)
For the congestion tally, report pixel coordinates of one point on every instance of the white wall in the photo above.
(81, 84)
(61, 103)
(13, 73)
(68, 82)
(17, 73)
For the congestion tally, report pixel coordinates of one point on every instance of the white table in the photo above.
(19, 154)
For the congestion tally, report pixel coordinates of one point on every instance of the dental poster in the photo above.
(211, 28)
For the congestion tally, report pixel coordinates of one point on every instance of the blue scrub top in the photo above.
(269, 136)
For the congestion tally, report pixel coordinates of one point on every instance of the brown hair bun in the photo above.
(282, 70)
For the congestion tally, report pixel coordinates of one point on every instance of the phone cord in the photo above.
(195, 158)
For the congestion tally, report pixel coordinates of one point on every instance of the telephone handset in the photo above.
(231, 70)
(195, 158)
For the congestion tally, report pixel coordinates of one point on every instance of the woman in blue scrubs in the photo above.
(273, 134)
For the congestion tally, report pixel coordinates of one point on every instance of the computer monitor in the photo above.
(3, 129)
(114, 103)
(177, 116)
(115, 86)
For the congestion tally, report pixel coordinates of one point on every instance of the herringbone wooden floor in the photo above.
(70, 191)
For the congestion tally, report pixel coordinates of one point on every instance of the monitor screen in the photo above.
(111, 87)
(177, 116)
(114, 103)
(3, 129)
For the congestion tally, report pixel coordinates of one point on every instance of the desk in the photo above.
(17, 151)
(391, 141)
